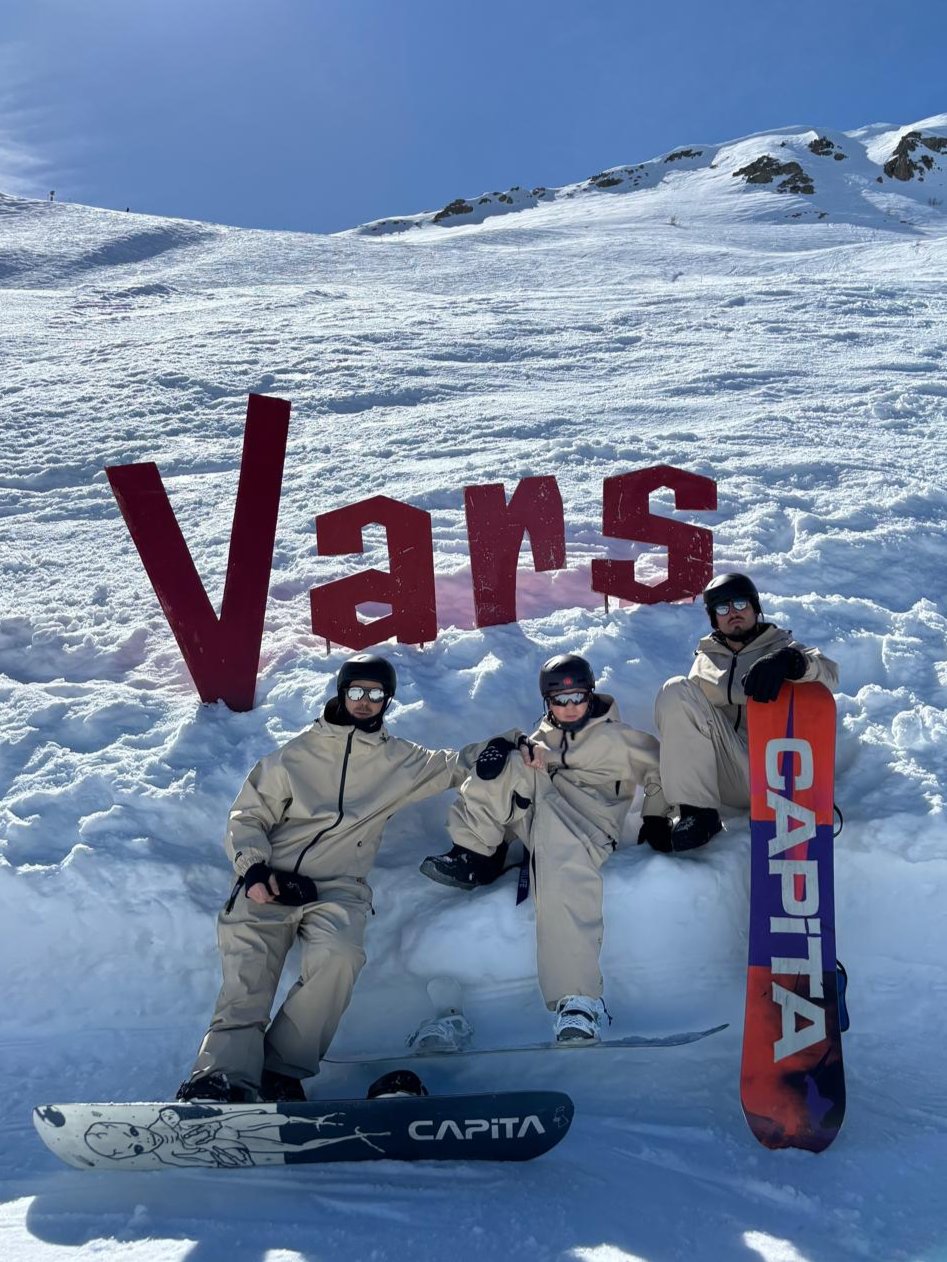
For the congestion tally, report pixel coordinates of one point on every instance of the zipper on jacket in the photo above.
(233, 895)
(338, 819)
(733, 667)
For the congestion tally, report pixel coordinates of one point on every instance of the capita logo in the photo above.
(475, 1127)
(803, 1021)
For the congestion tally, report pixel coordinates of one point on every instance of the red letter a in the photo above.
(222, 654)
(408, 587)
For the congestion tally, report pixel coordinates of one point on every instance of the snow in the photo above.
(690, 320)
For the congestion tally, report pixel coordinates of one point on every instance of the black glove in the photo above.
(295, 890)
(492, 758)
(765, 677)
(530, 746)
(257, 874)
(656, 831)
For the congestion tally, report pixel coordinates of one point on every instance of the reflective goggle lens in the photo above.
(737, 605)
(373, 694)
(569, 698)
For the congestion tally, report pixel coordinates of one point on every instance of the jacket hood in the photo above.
(714, 644)
(336, 721)
(604, 709)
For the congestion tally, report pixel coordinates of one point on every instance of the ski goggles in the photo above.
(737, 606)
(568, 698)
(356, 693)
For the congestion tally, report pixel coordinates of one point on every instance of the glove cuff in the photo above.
(256, 874)
(245, 859)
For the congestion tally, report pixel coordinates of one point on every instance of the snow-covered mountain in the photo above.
(791, 345)
(879, 175)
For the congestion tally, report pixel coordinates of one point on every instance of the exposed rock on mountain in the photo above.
(822, 147)
(766, 169)
(901, 166)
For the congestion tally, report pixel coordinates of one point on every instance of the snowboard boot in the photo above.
(281, 1088)
(215, 1088)
(578, 1018)
(399, 1082)
(695, 827)
(463, 869)
(451, 1033)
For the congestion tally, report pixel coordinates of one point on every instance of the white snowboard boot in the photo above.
(450, 1033)
(578, 1020)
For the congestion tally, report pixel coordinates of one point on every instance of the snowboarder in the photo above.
(565, 794)
(701, 719)
(302, 835)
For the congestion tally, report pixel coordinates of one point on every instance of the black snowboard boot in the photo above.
(281, 1088)
(215, 1088)
(463, 869)
(695, 827)
(398, 1082)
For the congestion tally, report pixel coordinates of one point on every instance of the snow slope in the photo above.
(693, 319)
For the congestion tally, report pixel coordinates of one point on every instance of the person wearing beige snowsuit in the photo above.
(316, 809)
(565, 794)
(701, 718)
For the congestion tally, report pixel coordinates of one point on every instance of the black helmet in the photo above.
(368, 666)
(730, 587)
(567, 670)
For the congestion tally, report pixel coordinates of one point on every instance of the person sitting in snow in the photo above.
(302, 835)
(565, 795)
(701, 719)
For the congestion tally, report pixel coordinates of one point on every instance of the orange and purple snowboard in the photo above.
(792, 1083)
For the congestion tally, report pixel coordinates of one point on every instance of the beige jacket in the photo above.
(598, 768)
(326, 795)
(719, 671)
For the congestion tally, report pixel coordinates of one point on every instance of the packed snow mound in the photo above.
(879, 174)
(74, 241)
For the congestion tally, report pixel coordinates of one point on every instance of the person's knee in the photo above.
(337, 955)
(675, 693)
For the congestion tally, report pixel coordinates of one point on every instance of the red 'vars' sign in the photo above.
(223, 654)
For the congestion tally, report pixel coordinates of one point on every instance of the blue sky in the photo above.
(321, 114)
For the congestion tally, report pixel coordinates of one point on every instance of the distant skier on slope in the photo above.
(303, 834)
(702, 718)
(565, 795)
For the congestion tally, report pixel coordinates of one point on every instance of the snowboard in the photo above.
(792, 1083)
(446, 996)
(512, 1126)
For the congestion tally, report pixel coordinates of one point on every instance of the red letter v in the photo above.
(222, 654)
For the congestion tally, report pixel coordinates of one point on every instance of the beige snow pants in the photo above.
(567, 853)
(704, 761)
(254, 941)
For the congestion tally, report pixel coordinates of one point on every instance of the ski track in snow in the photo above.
(801, 365)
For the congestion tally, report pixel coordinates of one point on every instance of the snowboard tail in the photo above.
(511, 1126)
(792, 1083)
